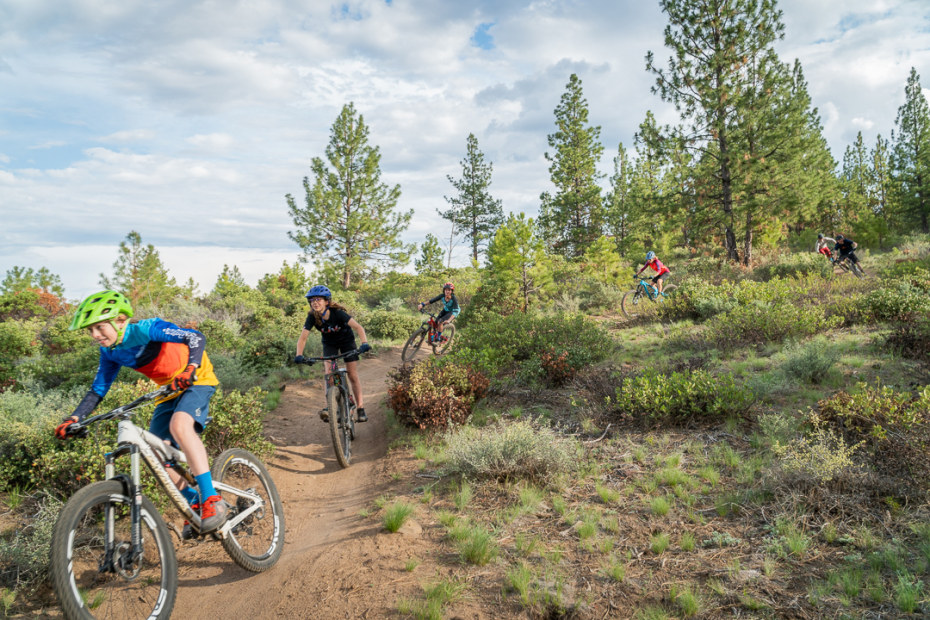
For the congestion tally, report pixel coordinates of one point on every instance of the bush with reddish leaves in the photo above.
(435, 394)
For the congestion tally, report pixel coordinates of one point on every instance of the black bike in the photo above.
(340, 401)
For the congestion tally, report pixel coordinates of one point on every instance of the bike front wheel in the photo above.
(448, 332)
(413, 344)
(634, 304)
(340, 426)
(95, 572)
(256, 542)
(856, 270)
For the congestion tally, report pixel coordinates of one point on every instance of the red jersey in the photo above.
(657, 266)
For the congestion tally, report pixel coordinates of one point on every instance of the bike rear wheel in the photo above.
(413, 344)
(448, 332)
(256, 543)
(340, 425)
(89, 582)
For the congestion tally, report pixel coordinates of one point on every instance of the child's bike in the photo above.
(641, 301)
(111, 554)
(340, 401)
(429, 333)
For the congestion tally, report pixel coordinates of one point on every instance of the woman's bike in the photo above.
(642, 300)
(111, 554)
(340, 401)
(429, 333)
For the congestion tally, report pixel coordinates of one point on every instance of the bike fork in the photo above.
(133, 488)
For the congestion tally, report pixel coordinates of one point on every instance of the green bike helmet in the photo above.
(102, 306)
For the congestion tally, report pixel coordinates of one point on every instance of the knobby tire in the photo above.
(413, 344)
(146, 589)
(449, 332)
(339, 424)
(257, 542)
(631, 303)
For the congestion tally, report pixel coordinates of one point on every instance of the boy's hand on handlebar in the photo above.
(365, 348)
(300, 359)
(185, 379)
(421, 305)
(66, 429)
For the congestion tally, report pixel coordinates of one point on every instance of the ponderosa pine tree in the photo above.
(20, 279)
(517, 260)
(574, 216)
(709, 81)
(431, 254)
(618, 204)
(911, 156)
(474, 213)
(139, 274)
(349, 216)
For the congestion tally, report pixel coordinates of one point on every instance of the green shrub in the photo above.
(895, 428)
(390, 325)
(809, 362)
(222, 336)
(911, 338)
(819, 455)
(761, 323)
(795, 264)
(24, 554)
(899, 301)
(520, 450)
(549, 349)
(680, 397)
(435, 394)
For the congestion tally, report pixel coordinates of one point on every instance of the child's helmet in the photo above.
(102, 306)
(319, 291)
(650, 255)
(838, 237)
(820, 235)
(448, 285)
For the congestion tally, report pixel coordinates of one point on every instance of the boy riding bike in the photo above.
(336, 326)
(661, 270)
(450, 309)
(822, 247)
(168, 355)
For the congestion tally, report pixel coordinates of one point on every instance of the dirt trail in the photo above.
(336, 563)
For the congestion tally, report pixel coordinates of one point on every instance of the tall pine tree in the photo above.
(474, 213)
(139, 274)
(710, 81)
(618, 204)
(348, 218)
(574, 216)
(911, 160)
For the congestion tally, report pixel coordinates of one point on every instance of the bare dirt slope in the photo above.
(336, 562)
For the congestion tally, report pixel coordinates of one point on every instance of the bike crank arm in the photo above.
(257, 504)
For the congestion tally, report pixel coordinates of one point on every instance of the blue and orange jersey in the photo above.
(156, 348)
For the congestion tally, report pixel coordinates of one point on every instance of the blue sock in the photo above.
(205, 482)
(190, 494)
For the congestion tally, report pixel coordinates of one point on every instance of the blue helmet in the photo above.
(650, 255)
(319, 291)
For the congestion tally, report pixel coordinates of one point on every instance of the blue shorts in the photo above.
(195, 402)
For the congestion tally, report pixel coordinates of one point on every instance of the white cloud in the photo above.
(189, 122)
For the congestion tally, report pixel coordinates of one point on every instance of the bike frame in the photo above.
(337, 377)
(143, 446)
(648, 289)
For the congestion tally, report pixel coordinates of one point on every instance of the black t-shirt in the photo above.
(845, 246)
(335, 328)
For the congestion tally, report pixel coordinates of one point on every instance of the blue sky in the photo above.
(188, 121)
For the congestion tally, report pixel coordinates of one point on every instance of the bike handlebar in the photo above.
(79, 429)
(310, 361)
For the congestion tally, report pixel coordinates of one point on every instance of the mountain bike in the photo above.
(340, 401)
(642, 300)
(111, 554)
(846, 264)
(428, 332)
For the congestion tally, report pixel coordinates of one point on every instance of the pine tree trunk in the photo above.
(747, 240)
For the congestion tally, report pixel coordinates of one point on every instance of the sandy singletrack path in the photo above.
(337, 563)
